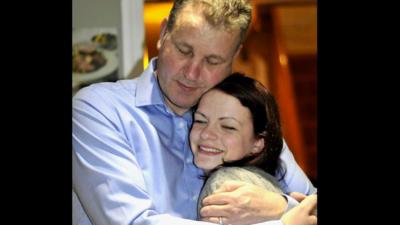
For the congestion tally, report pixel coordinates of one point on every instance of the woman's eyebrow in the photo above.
(201, 114)
(231, 118)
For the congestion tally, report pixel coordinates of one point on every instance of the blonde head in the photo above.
(232, 15)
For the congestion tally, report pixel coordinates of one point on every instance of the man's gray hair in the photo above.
(228, 14)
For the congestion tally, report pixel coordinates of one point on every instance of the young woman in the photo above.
(236, 135)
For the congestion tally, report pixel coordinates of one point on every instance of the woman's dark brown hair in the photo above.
(265, 115)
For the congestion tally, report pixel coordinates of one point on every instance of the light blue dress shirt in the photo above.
(132, 163)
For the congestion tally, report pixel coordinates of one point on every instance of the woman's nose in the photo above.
(208, 133)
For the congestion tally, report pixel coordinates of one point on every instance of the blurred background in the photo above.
(280, 51)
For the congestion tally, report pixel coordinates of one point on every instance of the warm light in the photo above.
(155, 12)
(145, 57)
(283, 60)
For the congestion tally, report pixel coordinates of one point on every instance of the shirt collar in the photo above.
(147, 89)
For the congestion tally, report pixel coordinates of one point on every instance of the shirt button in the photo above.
(194, 198)
(188, 161)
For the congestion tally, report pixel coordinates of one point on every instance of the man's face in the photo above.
(192, 58)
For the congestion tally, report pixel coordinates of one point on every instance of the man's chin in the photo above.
(180, 107)
(185, 104)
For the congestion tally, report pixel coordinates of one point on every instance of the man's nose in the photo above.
(192, 69)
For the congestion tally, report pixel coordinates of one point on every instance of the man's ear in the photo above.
(163, 31)
(238, 51)
(258, 146)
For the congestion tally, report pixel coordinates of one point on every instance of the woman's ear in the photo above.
(258, 146)
(162, 32)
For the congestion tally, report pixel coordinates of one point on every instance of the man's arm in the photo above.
(240, 203)
(295, 180)
(302, 214)
(249, 204)
(107, 178)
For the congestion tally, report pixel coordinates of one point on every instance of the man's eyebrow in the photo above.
(176, 42)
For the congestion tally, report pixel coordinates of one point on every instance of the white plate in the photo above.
(110, 66)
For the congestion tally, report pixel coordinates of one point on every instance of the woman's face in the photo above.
(222, 131)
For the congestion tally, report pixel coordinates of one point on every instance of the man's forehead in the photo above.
(189, 16)
(191, 29)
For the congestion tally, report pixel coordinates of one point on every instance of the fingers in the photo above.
(219, 220)
(313, 220)
(229, 185)
(217, 199)
(215, 220)
(298, 196)
(309, 203)
(222, 195)
(214, 211)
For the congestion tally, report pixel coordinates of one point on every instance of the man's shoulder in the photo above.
(107, 89)
(107, 96)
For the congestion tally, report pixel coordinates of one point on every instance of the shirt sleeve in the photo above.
(291, 202)
(295, 179)
(107, 178)
(271, 222)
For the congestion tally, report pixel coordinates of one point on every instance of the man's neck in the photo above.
(173, 107)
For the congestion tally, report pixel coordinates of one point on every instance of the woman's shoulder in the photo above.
(248, 174)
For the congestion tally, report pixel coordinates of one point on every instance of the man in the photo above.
(131, 159)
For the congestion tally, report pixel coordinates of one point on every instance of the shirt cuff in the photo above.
(291, 202)
(272, 222)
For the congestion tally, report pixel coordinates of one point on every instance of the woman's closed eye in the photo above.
(228, 127)
(200, 121)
